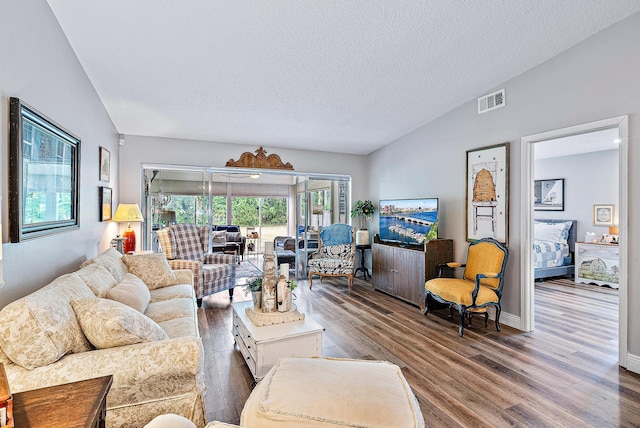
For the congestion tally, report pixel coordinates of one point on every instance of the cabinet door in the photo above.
(408, 280)
(382, 263)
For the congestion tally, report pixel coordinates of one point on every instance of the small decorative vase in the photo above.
(362, 237)
(257, 299)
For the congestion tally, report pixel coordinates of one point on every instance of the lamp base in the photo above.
(129, 245)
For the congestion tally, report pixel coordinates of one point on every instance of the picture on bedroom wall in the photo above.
(548, 195)
(487, 203)
(603, 214)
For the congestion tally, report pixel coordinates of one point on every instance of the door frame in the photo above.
(526, 221)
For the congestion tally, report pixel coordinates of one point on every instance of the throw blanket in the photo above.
(336, 234)
(549, 254)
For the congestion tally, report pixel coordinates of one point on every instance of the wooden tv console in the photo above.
(402, 271)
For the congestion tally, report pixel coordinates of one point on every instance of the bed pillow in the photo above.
(551, 232)
(131, 292)
(107, 323)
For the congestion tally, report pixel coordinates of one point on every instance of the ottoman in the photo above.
(322, 392)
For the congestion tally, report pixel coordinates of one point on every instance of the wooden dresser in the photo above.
(402, 272)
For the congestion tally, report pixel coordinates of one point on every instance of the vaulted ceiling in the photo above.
(343, 76)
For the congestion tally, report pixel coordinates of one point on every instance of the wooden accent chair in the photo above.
(480, 285)
(186, 246)
(336, 253)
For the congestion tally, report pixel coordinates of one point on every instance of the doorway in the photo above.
(526, 225)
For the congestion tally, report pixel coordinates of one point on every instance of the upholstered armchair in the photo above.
(480, 286)
(335, 255)
(186, 247)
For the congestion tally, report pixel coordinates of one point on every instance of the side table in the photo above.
(363, 268)
(78, 404)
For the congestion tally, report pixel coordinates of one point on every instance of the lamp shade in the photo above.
(128, 213)
(614, 230)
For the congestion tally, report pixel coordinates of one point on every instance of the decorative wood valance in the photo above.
(259, 160)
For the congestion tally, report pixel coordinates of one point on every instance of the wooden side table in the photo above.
(73, 405)
(362, 267)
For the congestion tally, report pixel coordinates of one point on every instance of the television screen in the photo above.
(408, 221)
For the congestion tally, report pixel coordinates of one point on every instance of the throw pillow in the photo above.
(97, 278)
(219, 237)
(132, 292)
(552, 232)
(107, 323)
(153, 269)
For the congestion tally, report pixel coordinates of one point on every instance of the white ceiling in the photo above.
(340, 76)
(604, 139)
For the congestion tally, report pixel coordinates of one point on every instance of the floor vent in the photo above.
(491, 102)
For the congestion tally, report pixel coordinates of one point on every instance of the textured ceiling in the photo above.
(340, 76)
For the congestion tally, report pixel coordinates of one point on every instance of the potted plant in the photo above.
(254, 285)
(364, 210)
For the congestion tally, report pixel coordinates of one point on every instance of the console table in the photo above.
(76, 405)
(261, 347)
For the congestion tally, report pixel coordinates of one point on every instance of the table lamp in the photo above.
(128, 213)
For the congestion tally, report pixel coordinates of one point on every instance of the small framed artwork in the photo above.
(603, 214)
(105, 165)
(106, 205)
(548, 195)
(487, 195)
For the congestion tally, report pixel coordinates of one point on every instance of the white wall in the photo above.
(589, 178)
(38, 65)
(594, 80)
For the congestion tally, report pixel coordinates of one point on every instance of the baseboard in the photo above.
(511, 320)
(633, 363)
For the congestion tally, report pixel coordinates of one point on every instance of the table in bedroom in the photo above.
(597, 263)
(80, 404)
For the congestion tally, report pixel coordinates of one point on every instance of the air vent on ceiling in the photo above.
(491, 102)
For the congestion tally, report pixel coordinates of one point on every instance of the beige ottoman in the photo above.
(322, 392)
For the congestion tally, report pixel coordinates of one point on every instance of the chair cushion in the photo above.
(131, 292)
(188, 241)
(457, 290)
(331, 266)
(321, 392)
(108, 323)
(484, 257)
(153, 269)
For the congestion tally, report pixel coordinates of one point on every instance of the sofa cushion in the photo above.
(180, 327)
(97, 278)
(314, 392)
(171, 309)
(40, 328)
(152, 269)
(108, 323)
(111, 259)
(219, 237)
(233, 236)
(132, 292)
(173, 292)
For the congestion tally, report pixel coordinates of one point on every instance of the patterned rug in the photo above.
(247, 269)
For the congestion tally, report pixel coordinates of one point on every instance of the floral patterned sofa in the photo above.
(131, 317)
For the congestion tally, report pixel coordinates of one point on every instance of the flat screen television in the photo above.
(408, 221)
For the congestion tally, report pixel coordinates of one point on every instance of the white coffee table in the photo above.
(261, 347)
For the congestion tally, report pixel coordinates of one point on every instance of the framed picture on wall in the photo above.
(548, 195)
(106, 206)
(105, 165)
(603, 214)
(487, 193)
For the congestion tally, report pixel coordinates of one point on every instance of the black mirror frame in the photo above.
(18, 230)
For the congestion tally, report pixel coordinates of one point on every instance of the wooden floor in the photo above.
(564, 374)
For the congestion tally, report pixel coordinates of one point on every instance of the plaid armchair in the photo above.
(186, 247)
(336, 253)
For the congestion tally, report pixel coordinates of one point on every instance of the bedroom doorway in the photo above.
(619, 125)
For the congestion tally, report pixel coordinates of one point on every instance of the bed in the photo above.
(553, 248)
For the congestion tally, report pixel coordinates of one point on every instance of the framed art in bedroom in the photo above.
(487, 193)
(548, 195)
(603, 214)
